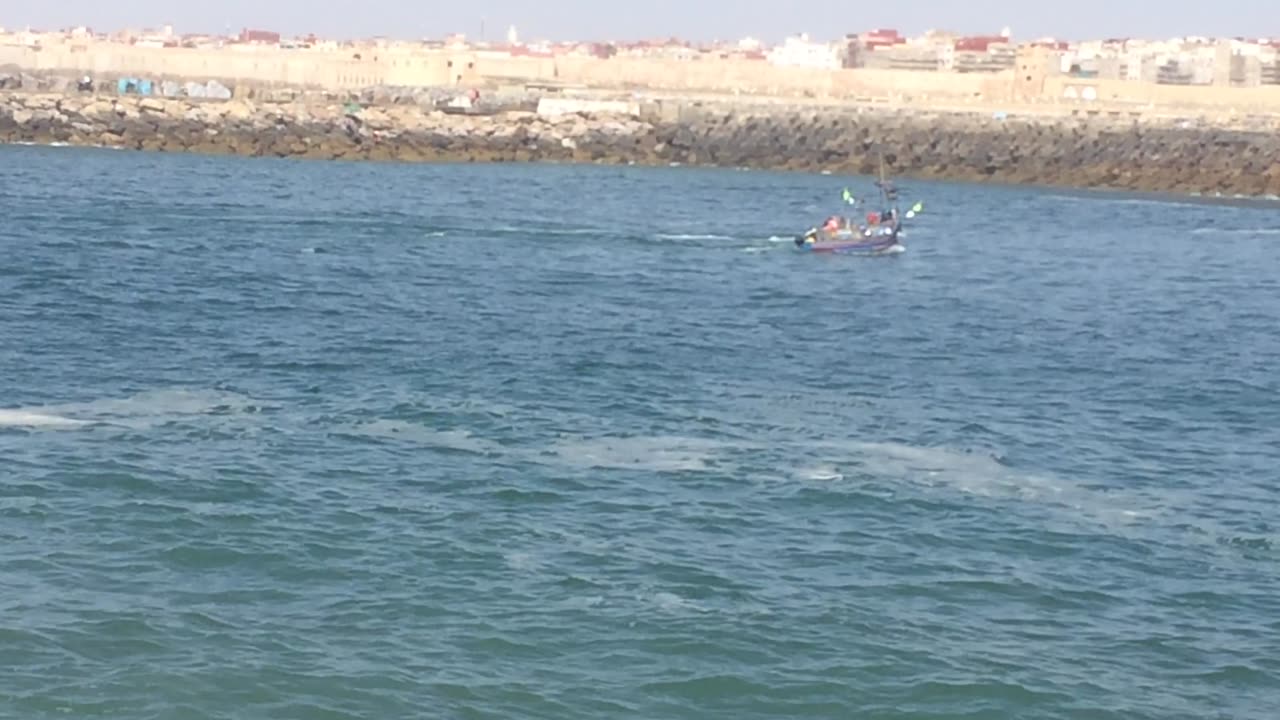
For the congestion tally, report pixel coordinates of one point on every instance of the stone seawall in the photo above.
(1092, 153)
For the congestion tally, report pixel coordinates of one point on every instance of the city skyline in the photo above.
(714, 20)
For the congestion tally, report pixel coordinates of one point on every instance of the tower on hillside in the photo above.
(513, 37)
(1034, 65)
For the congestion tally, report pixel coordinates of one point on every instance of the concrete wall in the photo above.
(272, 67)
(1227, 99)
(751, 77)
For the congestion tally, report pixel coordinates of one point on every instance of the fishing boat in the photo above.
(872, 238)
(878, 234)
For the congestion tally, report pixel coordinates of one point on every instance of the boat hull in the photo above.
(855, 249)
(850, 244)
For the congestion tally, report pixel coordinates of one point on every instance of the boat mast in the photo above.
(884, 193)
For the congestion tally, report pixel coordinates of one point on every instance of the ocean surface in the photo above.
(286, 439)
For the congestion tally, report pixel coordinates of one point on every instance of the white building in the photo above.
(799, 51)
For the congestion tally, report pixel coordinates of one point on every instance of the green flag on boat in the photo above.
(915, 210)
(848, 197)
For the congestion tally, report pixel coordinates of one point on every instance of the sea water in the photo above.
(289, 439)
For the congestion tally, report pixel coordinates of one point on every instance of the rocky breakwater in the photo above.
(1084, 152)
(1077, 152)
(325, 131)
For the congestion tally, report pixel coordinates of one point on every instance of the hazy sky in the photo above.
(769, 20)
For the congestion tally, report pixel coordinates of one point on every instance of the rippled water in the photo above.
(301, 440)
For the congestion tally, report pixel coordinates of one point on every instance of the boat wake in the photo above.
(1235, 231)
(691, 236)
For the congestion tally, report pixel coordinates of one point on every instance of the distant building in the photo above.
(926, 58)
(670, 49)
(1269, 73)
(261, 37)
(984, 54)
(799, 51)
(1246, 70)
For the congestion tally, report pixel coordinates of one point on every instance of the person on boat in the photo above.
(890, 218)
(832, 224)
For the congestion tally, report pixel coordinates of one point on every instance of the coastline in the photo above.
(1087, 153)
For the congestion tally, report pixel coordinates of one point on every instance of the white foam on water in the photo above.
(670, 602)
(983, 475)
(584, 602)
(662, 454)
(166, 403)
(137, 411)
(523, 562)
(30, 419)
(823, 473)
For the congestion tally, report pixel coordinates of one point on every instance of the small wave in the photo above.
(436, 234)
